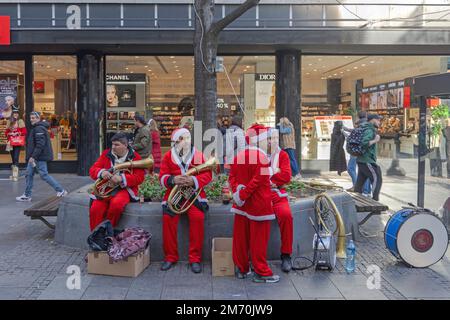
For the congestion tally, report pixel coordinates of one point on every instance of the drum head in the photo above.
(422, 240)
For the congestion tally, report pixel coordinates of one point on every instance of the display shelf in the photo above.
(168, 119)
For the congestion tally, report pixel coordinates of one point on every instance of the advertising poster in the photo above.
(121, 95)
(265, 91)
(8, 94)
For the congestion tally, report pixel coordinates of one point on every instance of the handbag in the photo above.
(17, 141)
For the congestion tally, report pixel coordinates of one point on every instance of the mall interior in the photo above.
(159, 87)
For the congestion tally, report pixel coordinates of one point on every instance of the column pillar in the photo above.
(288, 92)
(90, 108)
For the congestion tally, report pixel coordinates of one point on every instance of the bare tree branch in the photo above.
(236, 13)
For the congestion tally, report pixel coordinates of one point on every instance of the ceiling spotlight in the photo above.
(35, 62)
(247, 67)
(315, 70)
(355, 68)
(68, 73)
(48, 67)
(342, 72)
(320, 59)
(126, 68)
(149, 70)
(307, 73)
(345, 57)
(173, 57)
(363, 65)
(59, 70)
(335, 74)
(372, 61)
(136, 57)
(145, 66)
(309, 64)
(174, 61)
(347, 70)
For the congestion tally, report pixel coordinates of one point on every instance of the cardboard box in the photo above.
(100, 263)
(222, 258)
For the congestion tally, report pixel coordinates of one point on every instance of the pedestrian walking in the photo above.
(39, 152)
(287, 134)
(367, 162)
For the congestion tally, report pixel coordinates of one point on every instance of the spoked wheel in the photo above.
(326, 215)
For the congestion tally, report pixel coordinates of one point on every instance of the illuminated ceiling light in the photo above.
(68, 73)
(315, 70)
(149, 70)
(59, 70)
(342, 71)
(35, 62)
(348, 70)
(355, 68)
(136, 57)
(329, 76)
(131, 71)
(363, 65)
(320, 59)
(174, 61)
(307, 73)
(247, 67)
(309, 64)
(48, 67)
(346, 57)
(335, 74)
(372, 61)
(126, 68)
(145, 66)
(173, 57)
(20, 73)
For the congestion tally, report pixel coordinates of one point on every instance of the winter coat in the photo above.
(370, 155)
(250, 182)
(287, 136)
(142, 143)
(337, 153)
(39, 146)
(131, 180)
(156, 149)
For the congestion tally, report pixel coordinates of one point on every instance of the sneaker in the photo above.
(196, 267)
(61, 194)
(266, 279)
(23, 198)
(350, 189)
(239, 274)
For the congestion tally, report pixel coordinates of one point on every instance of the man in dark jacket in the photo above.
(367, 162)
(39, 152)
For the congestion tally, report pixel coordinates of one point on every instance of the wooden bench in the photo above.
(44, 208)
(366, 204)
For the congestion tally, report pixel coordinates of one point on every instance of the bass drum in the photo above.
(418, 238)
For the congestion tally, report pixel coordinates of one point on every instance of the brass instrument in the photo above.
(182, 198)
(324, 206)
(103, 188)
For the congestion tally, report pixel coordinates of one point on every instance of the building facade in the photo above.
(89, 66)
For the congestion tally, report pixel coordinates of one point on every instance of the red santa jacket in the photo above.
(131, 181)
(172, 165)
(250, 182)
(281, 172)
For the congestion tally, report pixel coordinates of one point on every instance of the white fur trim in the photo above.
(195, 182)
(178, 133)
(281, 195)
(163, 178)
(237, 199)
(100, 173)
(131, 193)
(252, 217)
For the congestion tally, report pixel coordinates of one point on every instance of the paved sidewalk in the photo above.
(32, 266)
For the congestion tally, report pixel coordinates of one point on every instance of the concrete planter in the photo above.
(72, 227)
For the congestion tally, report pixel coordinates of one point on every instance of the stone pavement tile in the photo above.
(153, 291)
(25, 279)
(354, 287)
(11, 293)
(57, 289)
(417, 284)
(111, 281)
(314, 286)
(183, 291)
(102, 293)
(228, 288)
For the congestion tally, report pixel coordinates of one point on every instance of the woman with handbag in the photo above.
(16, 135)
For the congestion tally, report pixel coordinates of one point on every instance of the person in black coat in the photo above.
(337, 153)
(39, 152)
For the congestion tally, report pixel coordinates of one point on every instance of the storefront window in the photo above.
(12, 97)
(55, 97)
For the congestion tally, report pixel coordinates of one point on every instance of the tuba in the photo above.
(182, 198)
(103, 188)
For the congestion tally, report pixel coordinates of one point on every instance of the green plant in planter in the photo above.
(214, 189)
(295, 185)
(151, 188)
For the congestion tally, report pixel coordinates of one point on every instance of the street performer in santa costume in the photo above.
(280, 176)
(112, 207)
(176, 162)
(250, 182)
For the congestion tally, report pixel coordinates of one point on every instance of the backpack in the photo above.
(354, 146)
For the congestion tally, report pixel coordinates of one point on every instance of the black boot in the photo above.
(286, 263)
(167, 265)
(196, 267)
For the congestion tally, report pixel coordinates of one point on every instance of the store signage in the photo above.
(126, 77)
(5, 30)
(221, 104)
(265, 76)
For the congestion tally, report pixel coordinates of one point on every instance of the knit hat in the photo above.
(257, 132)
(177, 133)
(36, 114)
(139, 118)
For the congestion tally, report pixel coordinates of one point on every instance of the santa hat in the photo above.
(255, 133)
(177, 133)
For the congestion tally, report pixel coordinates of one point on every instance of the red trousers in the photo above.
(285, 221)
(196, 232)
(251, 238)
(111, 207)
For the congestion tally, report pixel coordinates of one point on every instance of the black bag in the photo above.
(97, 240)
(354, 146)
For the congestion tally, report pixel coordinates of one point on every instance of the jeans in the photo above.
(15, 153)
(351, 169)
(294, 165)
(41, 167)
